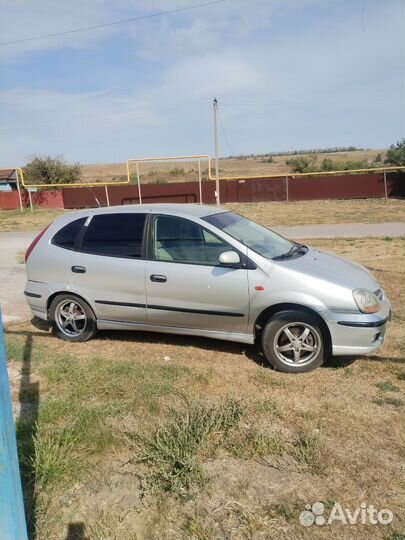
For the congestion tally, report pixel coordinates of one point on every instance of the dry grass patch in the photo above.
(268, 213)
(249, 166)
(15, 220)
(331, 435)
(272, 214)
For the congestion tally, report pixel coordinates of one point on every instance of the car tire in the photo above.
(293, 342)
(72, 318)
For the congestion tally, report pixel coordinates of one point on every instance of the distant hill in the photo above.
(249, 165)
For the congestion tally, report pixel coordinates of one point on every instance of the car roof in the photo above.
(183, 210)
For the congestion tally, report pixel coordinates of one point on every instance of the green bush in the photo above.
(177, 171)
(396, 153)
(349, 165)
(328, 165)
(303, 164)
(49, 170)
(161, 181)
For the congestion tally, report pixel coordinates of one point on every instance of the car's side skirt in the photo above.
(226, 336)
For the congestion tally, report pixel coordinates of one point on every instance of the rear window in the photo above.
(66, 236)
(115, 235)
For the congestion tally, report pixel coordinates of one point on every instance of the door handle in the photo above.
(79, 269)
(158, 278)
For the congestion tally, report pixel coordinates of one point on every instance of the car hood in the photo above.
(332, 268)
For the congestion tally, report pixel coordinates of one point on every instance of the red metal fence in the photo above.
(344, 186)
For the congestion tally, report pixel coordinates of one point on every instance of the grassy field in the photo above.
(175, 171)
(307, 212)
(15, 220)
(155, 437)
(270, 213)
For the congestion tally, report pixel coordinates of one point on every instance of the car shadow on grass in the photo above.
(252, 352)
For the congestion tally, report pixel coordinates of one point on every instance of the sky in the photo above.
(288, 74)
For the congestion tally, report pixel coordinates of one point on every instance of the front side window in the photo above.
(66, 237)
(180, 240)
(115, 235)
(251, 234)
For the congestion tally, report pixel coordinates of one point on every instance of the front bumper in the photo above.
(357, 333)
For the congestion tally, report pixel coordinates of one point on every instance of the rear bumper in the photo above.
(37, 295)
(357, 333)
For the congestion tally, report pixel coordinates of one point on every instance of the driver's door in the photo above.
(185, 284)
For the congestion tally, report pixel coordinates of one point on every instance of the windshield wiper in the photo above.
(296, 249)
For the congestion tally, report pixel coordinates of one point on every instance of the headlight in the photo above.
(366, 301)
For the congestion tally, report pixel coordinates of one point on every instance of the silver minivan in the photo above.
(202, 271)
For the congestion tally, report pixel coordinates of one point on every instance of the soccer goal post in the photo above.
(169, 169)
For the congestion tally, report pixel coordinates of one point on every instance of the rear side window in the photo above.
(66, 237)
(115, 235)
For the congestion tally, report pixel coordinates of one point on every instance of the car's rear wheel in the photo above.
(72, 318)
(293, 342)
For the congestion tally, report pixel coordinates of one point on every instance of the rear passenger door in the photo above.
(185, 284)
(108, 266)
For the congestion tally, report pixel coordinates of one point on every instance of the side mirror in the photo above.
(229, 258)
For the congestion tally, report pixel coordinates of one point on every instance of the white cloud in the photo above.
(54, 122)
(194, 30)
(322, 82)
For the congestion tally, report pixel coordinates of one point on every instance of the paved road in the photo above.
(12, 273)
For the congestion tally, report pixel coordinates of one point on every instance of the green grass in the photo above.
(78, 420)
(253, 444)
(20, 349)
(57, 457)
(195, 528)
(288, 511)
(99, 378)
(306, 449)
(171, 452)
(94, 392)
(268, 407)
(387, 387)
(395, 402)
(15, 347)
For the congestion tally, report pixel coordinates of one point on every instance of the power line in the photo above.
(224, 132)
(124, 21)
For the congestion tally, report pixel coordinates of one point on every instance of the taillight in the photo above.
(35, 242)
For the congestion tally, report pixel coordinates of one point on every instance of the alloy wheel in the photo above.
(71, 318)
(297, 343)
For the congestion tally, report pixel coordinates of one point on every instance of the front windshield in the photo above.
(251, 234)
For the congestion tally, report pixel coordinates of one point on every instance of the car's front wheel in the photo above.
(293, 342)
(72, 318)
